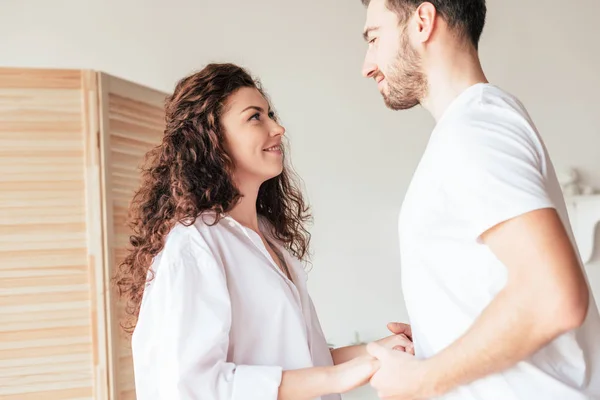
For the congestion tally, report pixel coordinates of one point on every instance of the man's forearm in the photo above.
(509, 330)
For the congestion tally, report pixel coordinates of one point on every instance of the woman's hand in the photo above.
(398, 342)
(354, 373)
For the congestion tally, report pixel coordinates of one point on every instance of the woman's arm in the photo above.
(182, 338)
(398, 342)
(310, 383)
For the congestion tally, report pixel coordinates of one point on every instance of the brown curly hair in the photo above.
(190, 173)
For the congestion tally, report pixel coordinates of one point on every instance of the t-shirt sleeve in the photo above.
(496, 172)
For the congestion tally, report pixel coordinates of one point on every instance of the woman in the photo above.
(214, 282)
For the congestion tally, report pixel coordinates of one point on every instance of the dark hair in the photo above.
(466, 16)
(190, 173)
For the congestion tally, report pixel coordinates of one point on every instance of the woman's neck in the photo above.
(245, 211)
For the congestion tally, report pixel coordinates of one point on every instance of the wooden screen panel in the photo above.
(46, 323)
(132, 123)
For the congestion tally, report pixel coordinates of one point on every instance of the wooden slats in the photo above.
(71, 144)
(31, 78)
(134, 124)
(45, 324)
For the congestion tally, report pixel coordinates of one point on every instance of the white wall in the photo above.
(355, 156)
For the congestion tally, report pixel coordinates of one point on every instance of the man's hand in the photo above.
(399, 376)
(401, 338)
(399, 328)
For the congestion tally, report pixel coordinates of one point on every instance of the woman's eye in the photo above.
(271, 115)
(255, 116)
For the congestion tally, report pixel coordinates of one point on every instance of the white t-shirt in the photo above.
(220, 320)
(485, 163)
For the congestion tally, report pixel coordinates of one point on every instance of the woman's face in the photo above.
(253, 137)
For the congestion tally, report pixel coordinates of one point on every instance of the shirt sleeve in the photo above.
(496, 171)
(185, 325)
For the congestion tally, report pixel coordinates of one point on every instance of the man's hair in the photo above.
(467, 17)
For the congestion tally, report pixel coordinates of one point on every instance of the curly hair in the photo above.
(190, 173)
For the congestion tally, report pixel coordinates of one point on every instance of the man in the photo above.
(499, 305)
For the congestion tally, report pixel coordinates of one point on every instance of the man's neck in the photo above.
(448, 78)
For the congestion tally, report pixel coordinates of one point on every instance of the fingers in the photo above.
(403, 343)
(376, 350)
(368, 366)
(375, 365)
(402, 340)
(410, 349)
(399, 348)
(398, 328)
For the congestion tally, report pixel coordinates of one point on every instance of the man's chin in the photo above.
(399, 105)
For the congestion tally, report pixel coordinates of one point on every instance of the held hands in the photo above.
(400, 375)
(360, 370)
(400, 340)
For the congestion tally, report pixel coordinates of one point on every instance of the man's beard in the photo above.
(406, 82)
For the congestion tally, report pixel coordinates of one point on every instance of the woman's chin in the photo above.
(273, 173)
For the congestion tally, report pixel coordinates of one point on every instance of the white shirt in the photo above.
(485, 163)
(220, 321)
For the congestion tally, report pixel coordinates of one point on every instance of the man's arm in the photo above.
(545, 296)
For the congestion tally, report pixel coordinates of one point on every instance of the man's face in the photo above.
(390, 59)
